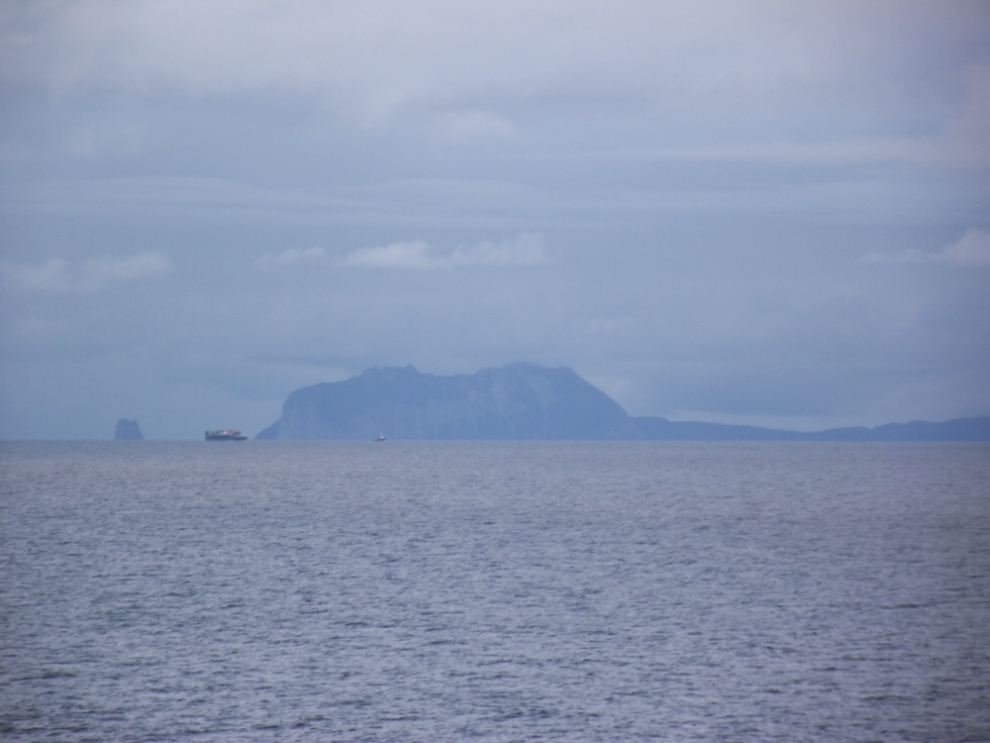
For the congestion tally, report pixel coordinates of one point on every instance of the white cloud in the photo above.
(526, 249)
(293, 255)
(972, 249)
(98, 272)
(92, 275)
(416, 255)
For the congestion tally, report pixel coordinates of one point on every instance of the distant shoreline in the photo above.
(525, 401)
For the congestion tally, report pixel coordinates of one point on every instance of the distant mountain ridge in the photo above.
(958, 429)
(527, 401)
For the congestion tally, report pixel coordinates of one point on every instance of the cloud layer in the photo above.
(770, 212)
(91, 275)
(799, 76)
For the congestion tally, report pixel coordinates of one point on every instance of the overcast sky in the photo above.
(772, 213)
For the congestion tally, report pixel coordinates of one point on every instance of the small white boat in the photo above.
(226, 434)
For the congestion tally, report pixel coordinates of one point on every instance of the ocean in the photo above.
(494, 591)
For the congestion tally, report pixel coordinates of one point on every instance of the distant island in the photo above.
(527, 401)
(127, 431)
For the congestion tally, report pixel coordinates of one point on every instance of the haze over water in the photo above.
(498, 591)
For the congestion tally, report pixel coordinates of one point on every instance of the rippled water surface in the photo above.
(425, 591)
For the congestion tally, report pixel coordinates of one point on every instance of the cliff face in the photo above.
(518, 401)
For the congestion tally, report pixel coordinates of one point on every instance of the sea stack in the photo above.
(127, 431)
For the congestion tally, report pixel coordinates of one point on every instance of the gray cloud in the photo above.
(488, 70)
(767, 212)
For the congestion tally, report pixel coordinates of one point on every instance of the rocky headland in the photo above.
(527, 401)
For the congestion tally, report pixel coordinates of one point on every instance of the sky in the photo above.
(772, 213)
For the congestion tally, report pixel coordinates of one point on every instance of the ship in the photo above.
(227, 434)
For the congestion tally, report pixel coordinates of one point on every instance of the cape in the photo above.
(527, 401)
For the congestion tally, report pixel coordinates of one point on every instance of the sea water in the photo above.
(494, 591)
